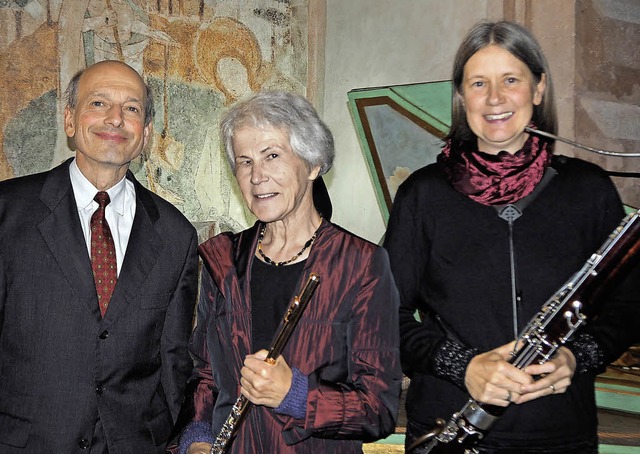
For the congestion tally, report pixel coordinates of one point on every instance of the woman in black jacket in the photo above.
(476, 279)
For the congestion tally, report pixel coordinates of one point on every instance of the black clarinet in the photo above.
(288, 324)
(548, 330)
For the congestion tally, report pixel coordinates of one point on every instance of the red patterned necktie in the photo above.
(103, 253)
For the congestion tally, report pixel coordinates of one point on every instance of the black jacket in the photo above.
(62, 366)
(450, 259)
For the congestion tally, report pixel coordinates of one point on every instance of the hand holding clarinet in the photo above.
(492, 379)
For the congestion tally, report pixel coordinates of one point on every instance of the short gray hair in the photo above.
(309, 137)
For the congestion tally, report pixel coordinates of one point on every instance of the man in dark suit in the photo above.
(93, 362)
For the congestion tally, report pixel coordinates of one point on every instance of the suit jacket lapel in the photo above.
(62, 232)
(141, 256)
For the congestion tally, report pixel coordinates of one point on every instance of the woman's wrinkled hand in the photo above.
(263, 383)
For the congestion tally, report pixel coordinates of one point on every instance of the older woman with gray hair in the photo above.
(337, 382)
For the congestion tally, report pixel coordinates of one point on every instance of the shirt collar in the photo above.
(84, 191)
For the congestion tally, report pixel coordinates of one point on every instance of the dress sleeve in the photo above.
(364, 404)
(451, 361)
(201, 390)
(195, 432)
(295, 402)
(408, 243)
(615, 327)
(3, 293)
(612, 326)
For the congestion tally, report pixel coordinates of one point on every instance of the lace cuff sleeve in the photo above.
(451, 362)
(589, 356)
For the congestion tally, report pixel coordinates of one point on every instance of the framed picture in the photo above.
(400, 129)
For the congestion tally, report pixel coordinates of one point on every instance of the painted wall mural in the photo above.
(198, 56)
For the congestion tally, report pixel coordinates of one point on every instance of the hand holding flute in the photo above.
(254, 374)
(264, 383)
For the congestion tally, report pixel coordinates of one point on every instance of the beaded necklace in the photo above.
(295, 257)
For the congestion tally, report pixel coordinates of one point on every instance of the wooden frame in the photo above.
(419, 113)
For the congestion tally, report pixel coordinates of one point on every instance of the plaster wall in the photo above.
(588, 44)
(378, 42)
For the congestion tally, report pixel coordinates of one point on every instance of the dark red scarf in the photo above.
(496, 179)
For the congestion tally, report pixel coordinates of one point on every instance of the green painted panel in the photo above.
(617, 449)
(399, 128)
(393, 439)
(618, 397)
(433, 99)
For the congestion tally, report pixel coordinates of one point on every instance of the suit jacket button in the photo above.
(83, 443)
(104, 334)
(99, 389)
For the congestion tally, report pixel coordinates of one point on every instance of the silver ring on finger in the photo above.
(553, 389)
(509, 396)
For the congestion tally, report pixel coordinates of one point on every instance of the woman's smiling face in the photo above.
(498, 94)
(275, 182)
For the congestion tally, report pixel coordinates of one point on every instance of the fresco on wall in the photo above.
(198, 56)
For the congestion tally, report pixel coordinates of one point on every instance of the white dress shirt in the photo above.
(119, 213)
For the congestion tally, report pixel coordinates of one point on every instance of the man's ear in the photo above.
(69, 126)
(146, 134)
